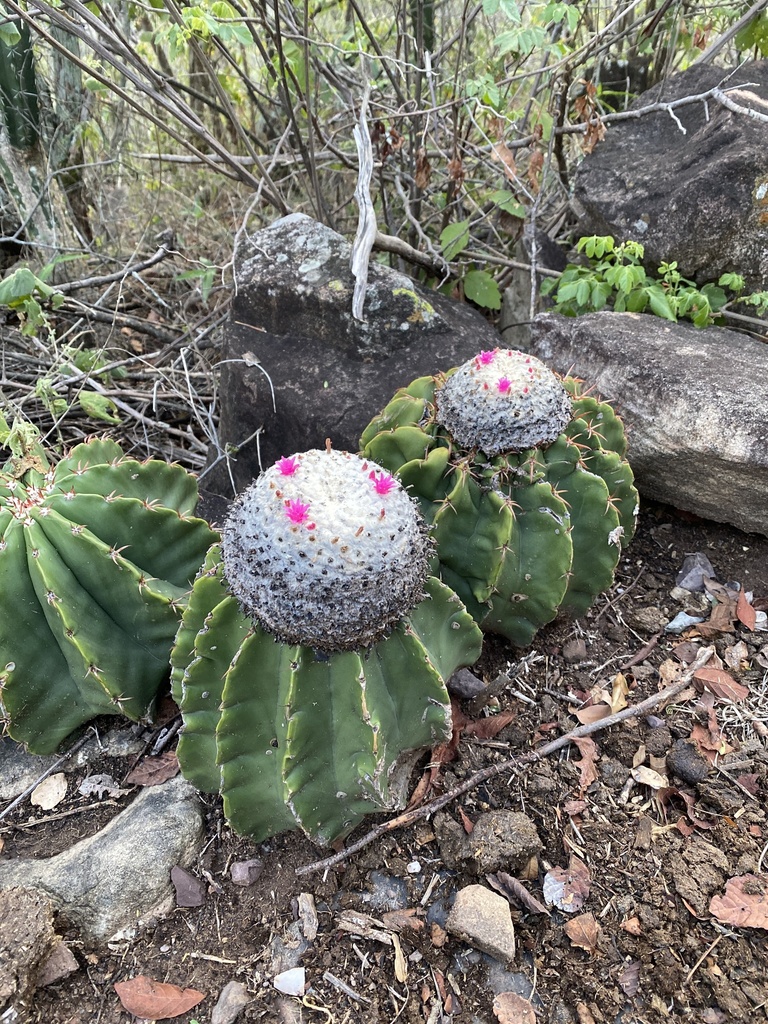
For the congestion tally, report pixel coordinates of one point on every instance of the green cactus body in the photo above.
(521, 531)
(96, 557)
(295, 736)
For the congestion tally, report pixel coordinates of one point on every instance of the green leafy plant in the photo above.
(24, 292)
(313, 654)
(96, 558)
(523, 480)
(615, 278)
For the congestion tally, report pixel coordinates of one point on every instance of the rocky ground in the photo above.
(622, 878)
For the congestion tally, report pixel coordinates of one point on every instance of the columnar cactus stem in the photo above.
(299, 705)
(96, 559)
(523, 480)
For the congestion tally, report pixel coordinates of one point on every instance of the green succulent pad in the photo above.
(313, 654)
(532, 505)
(97, 556)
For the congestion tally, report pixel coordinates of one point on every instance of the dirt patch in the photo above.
(654, 857)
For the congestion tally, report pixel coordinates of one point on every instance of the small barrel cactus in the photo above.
(523, 480)
(314, 650)
(97, 556)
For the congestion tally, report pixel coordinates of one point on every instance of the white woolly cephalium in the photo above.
(503, 401)
(326, 550)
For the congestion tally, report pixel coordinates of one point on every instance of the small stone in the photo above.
(291, 982)
(685, 761)
(646, 620)
(413, 868)
(26, 941)
(465, 685)
(234, 996)
(190, 890)
(60, 964)
(574, 650)
(245, 872)
(482, 919)
(502, 840)
(658, 740)
(694, 568)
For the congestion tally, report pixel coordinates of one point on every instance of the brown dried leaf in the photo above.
(750, 782)
(511, 1008)
(583, 931)
(511, 888)
(423, 173)
(456, 173)
(619, 693)
(589, 755)
(469, 825)
(721, 683)
(503, 154)
(568, 888)
(593, 713)
(686, 652)
(397, 920)
(648, 777)
(745, 612)
(744, 903)
(487, 728)
(629, 979)
(632, 926)
(401, 967)
(155, 1000)
(535, 167)
(154, 771)
(50, 792)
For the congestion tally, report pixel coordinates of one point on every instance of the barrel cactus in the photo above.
(523, 479)
(314, 650)
(97, 555)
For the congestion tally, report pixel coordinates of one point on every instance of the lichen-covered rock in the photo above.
(326, 550)
(503, 401)
(292, 320)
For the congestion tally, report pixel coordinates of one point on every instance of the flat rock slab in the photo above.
(692, 184)
(482, 919)
(106, 883)
(329, 373)
(695, 403)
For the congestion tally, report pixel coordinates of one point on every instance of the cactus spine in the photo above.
(524, 481)
(299, 706)
(96, 559)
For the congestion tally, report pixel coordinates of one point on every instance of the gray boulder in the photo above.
(695, 403)
(108, 882)
(330, 373)
(692, 187)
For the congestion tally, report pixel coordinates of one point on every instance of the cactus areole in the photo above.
(326, 550)
(503, 401)
(311, 660)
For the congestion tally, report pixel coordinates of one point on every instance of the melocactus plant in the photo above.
(97, 556)
(315, 648)
(523, 479)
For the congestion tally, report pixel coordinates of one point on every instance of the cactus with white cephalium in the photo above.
(523, 480)
(314, 651)
(97, 555)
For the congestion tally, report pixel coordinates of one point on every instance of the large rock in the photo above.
(698, 193)
(695, 403)
(330, 372)
(106, 883)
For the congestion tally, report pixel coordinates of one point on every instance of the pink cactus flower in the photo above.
(287, 467)
(485, 358)
(504, 385)
(382, 482)
(297, 511)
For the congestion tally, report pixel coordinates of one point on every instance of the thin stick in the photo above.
(513, 763)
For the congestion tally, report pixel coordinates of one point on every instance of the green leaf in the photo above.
(9, 33)
(454, 238)
(507, 202)
(754, 34)
(99, 407)
(659, 303)
(481, 288)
